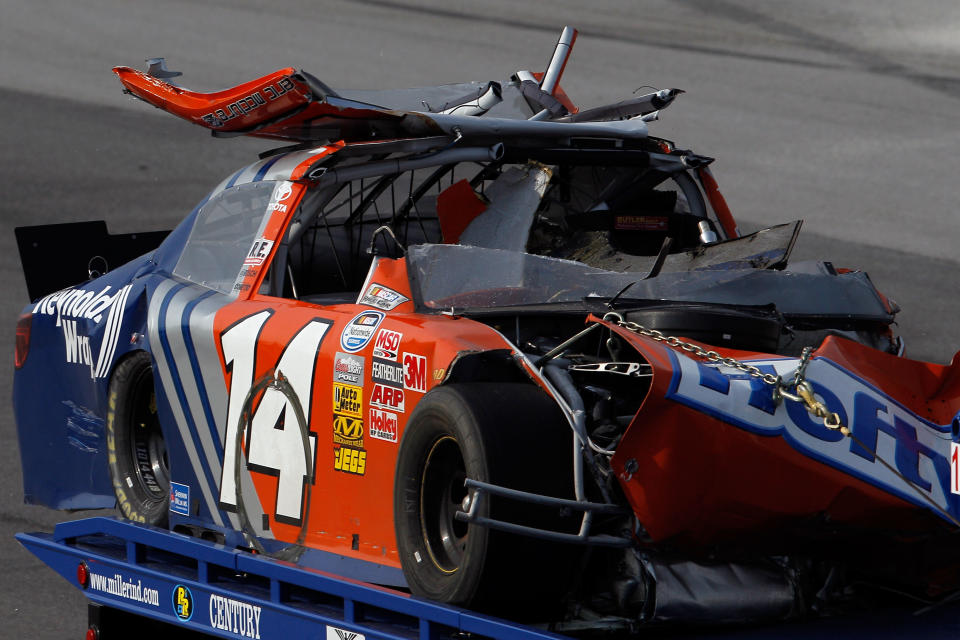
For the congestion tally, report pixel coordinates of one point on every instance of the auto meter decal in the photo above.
(348, 399)
(382, 297)
(359, 331)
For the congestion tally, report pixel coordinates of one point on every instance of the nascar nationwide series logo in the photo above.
(360, 330)
(80, 313)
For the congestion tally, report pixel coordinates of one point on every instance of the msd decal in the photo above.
(387, 345)
(918, 449)
(73, 306)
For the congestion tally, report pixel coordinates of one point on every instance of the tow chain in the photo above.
(802, 391)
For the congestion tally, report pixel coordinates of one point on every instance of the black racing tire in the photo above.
(511, 435)
(136, 452)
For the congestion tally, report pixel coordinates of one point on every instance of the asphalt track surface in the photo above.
(841, 114)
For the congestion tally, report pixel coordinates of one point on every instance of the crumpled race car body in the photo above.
(419, 348)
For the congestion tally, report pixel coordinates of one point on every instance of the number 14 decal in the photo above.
(277, 429)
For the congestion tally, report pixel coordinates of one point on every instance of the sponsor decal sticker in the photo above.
(954, 468)
(359, 331)
(125, 588)
(387, 372)
(348, 431)
(386, 397)
(382, 297)
(348, 400)
(180, 498)
(641, 223)
(183, 602)
(349, 460)
(218, 117)
(388, 344)
(259, 251)
(414, 372)
(74, 310)
(348, 368)
(333, 633)
(237, 617)
(383, 425)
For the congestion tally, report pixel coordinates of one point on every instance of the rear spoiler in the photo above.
(293, 105)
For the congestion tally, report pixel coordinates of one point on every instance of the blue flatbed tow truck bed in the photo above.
(132, 573)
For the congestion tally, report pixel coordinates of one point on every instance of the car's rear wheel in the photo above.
(511, 435)
(137, 454)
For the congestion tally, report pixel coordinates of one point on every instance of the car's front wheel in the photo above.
(137, 454)
(511, 435)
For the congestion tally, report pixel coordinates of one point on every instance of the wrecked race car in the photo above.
(510, 355)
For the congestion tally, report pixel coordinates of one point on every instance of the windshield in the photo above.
(465, 277)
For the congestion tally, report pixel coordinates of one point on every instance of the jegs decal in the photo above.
(272, 451)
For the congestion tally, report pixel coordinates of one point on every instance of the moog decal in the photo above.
(918, 449)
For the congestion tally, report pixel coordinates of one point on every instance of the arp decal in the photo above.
(414, 372)
(270, 450)
(348, 400)
(179, 499)
(235, 616)
(359, 331)
(348, 368)
(386, 372)
(918, 449)
(387, 345)
(383, 425)
(349, 460)
(71, 306)
(182, 602)
(387, 397)
(382, 297)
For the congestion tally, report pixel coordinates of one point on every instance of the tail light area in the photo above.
(23, 340)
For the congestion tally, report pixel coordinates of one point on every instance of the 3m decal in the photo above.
(386, 397)
(259, 251)
(125, 588)
(918, 449)
(237, 617)
(179, 498)
(383, 425)
(83, 305)
(348, 368)
(348, 431)
(358, 332)
(275, 434)
(349, 460)
(348, 399)
(333, 633)
(182, 602)
(387, 372)
(387, 345)
(414, 372)
(382, 297)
